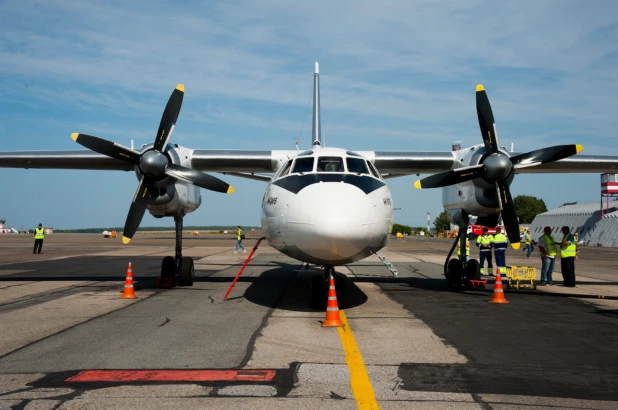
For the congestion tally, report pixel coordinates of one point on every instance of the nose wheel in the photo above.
(320, 285)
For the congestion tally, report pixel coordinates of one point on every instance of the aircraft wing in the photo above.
(400, 163)
(389, 163)
(596, 164)
(79, 159)
(249, 161)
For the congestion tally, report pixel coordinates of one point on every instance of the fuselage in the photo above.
(327, 206)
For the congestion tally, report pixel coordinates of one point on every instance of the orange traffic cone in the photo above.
(129, 293)
(332, 309)
(498, 291)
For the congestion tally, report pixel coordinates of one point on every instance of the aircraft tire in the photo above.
(168, 267)
(318, 292)
(187, 272)
(473, 270)
(453, 274)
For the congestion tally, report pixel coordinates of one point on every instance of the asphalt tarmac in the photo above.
(68, 341)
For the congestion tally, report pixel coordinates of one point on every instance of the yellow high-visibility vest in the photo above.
(39, 233)
(467, 248)
(568, 251)
(551, 245)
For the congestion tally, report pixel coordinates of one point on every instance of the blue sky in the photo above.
(395, 75)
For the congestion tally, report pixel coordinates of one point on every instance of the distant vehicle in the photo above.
(108, 234)
(477, 230)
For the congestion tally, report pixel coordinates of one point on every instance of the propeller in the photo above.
(153, 163)
(497, 167)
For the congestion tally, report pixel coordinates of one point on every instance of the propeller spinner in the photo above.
(496, 167)
(153, 164)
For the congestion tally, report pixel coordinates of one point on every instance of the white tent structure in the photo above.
(583, 219)
(606, 232)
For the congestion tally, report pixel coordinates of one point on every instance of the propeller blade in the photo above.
(544, 155)
(509, 216)
(450, 177)
(198, 178)
(105, 147)
(169, 117)
(136, 212)
(486, 120)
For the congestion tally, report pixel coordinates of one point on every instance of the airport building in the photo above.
(595, 223)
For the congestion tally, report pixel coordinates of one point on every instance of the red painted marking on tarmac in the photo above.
(172, 375)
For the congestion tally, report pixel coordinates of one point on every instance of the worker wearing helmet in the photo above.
(485, 243)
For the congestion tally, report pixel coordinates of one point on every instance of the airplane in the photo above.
(325, 206)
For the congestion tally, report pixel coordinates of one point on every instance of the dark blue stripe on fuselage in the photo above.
(295, 183)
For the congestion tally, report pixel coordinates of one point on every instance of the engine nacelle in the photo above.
(171, 197)
(476, 197)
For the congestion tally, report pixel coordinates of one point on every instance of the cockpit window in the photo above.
(286, 169)
(357, 166)
(305, 153)
(330, 164)
(374, 171)
(303, 165)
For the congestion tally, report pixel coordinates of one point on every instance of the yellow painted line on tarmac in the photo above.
(359, 379)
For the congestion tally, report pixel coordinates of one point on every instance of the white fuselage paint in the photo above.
(327, 223)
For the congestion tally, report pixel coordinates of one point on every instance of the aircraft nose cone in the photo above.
(335, 220)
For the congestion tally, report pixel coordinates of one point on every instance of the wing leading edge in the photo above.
(395, 163)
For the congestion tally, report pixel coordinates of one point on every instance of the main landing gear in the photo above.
(459, 272)
(178, 267)
(319, 288)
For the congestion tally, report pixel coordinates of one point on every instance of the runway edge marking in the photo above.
(359, 379)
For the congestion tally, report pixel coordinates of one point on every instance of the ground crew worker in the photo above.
(39, 235)
(568, 251)
(484, 242)
(467, 248)
(501, 242)
(239, 237)
(547, 246)
(528, 240)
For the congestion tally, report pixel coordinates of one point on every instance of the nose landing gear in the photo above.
(319, 288)
(178, 269)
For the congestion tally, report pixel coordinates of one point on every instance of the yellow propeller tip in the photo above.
(180, 87)
(126, 240)
(480, 87)
(579, 148)
(74, 136)
(230, 190)
(515, 245)
(417, 184)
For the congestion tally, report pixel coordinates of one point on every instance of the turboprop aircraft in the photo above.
(326, 206)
